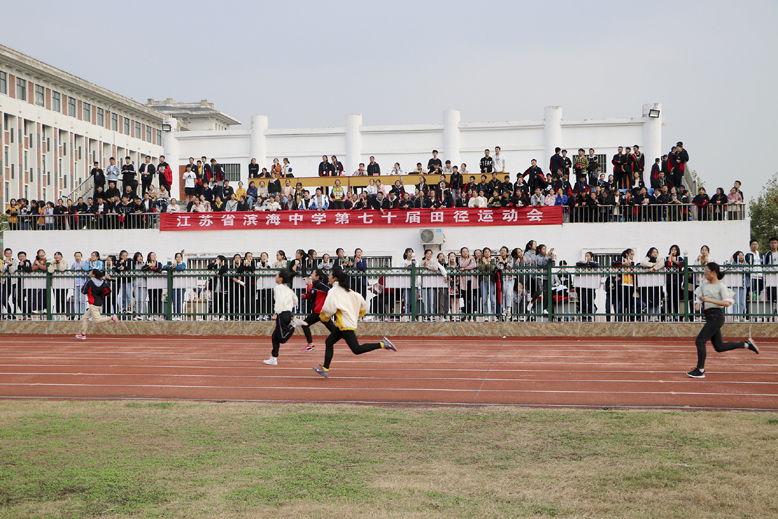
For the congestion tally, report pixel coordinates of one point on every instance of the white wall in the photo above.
(569, 240)
(521, 141)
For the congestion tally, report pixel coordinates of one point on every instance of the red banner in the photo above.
(334, 219)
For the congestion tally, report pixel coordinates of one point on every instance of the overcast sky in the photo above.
(712, 64)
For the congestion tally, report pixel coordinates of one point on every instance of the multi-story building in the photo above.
(201, 116)
(54, 125)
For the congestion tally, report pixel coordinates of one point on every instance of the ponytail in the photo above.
(342, 277)
(714, 267)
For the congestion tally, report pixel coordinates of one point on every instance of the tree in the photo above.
(764, 214)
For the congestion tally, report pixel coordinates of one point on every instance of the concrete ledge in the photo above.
(756, 330)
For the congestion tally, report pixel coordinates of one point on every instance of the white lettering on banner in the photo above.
(511, 215)
(436, 216)
(250, 219)
(485, 216)
(461, 217)
(273, 219)
(535, 215)
(413, 217)
(295, 218)
(341, 218)
(183, 221)
(389, 217)
(366, 218)
(318, 218)
(228, 220)
(205, 220)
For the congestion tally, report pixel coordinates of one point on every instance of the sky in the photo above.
(710, 63)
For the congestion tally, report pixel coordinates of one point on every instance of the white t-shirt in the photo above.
(189, 179)
(498, 162)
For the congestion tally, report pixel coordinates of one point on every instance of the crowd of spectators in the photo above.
(586, 193)
(507, 284)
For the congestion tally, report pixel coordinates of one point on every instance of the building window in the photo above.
(87, 112)
(3, 83)
(231, 172)
(56, 101)
(159, 137)
(21, 89)
(148, 134)
(126, 126)
(137, 130)
(40, 95)
(71, 107)
(114, 122)
(100, 117)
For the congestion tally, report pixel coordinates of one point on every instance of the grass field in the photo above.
(150, 459)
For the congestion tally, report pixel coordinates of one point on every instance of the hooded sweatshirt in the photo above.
(346, 306)
(95, 290)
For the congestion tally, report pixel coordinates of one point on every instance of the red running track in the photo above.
(612, 372)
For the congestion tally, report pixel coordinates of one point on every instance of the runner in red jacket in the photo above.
(317, 294)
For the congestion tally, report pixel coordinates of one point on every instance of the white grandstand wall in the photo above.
(571, 241)
(520, 141)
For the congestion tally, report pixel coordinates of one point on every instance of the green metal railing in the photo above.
(414, 294)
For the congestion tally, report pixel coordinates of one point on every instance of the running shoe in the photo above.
(309, 347)
(272, 361)
(115, 318)
(321, 371)
(751, 345)
(388, 344)
(81, 336)
(696, 373)
(297, 322)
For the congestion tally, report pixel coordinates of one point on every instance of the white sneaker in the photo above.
(272, 361)
(297, 322)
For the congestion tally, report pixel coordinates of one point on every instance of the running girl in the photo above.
(285, 301)
(346, 306)
(713, 296)
(317, 294)
(95, 291)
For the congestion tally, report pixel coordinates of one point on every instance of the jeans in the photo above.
(79, 301)
(488, 296)
(428, 300)
(408, 301)
(739, 308)
(140, 299)
(507, 295)
(126, 295)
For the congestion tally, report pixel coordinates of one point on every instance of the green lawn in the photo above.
(88, 459)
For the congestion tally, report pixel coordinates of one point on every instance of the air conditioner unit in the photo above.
(431, 236)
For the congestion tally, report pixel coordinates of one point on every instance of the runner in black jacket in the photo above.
(95, 290)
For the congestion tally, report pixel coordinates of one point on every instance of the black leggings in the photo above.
(351, 339)
(283, 331)
(714, 319)
(313, 319)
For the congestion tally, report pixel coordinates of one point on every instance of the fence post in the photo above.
(686, 272)
(169, 308)
(49, 293)
(414, 298)
(549, 291)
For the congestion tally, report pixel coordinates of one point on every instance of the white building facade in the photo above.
(54, 126)
(460, 142)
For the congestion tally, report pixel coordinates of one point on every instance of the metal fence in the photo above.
(414, 294)
(81, 221)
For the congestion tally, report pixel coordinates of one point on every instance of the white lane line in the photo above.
(443, 390)
(466, 379)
